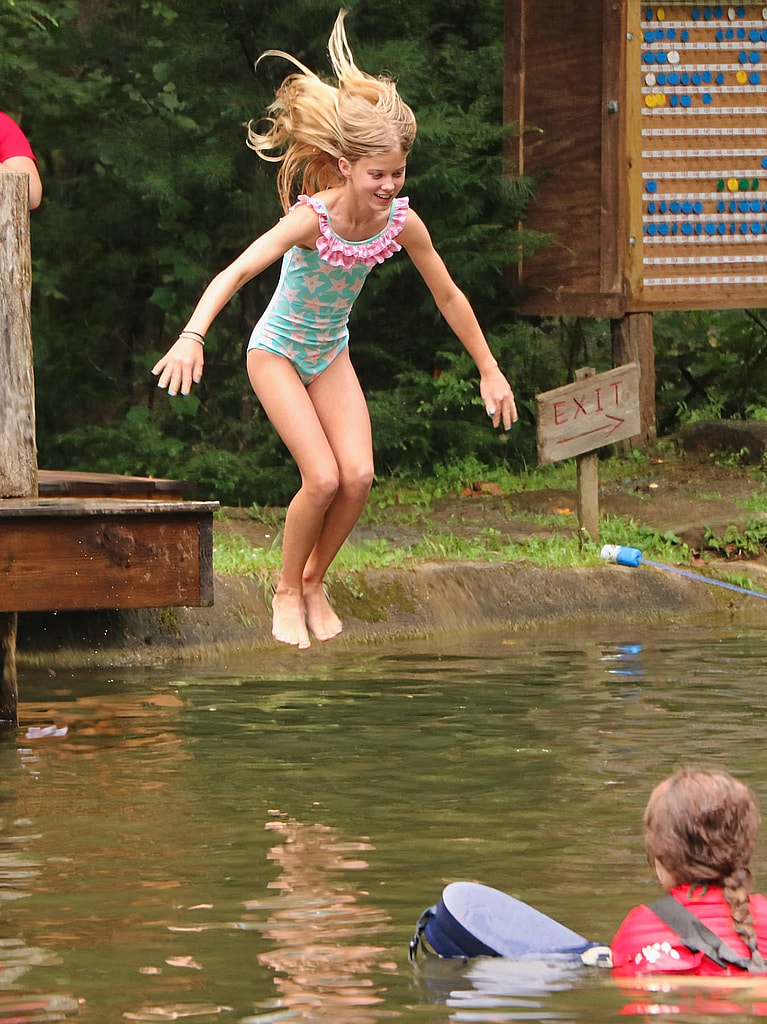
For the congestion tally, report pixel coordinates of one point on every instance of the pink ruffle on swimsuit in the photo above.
(307, 318)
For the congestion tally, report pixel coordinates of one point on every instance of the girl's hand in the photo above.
(180, 367)
(498, 398)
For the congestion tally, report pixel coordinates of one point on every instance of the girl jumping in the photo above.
(348, 144)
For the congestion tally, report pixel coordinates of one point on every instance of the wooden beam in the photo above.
(9, 687)
(67, 554)
(56, 483)
(612, 219)
(587, 473)
(18, 450)
(633, 342)
(587, 482)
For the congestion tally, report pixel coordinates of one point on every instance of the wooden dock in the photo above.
(54, 483)
(71, 554)
(76, 541)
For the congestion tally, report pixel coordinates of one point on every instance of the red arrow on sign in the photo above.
(610, 427)
(591, 412)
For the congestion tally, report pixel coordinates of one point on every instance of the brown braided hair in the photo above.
(701, 826)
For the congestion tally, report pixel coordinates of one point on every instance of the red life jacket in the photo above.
(645, 945)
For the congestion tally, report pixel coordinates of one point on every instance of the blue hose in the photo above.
(704, 579)
(633, 557)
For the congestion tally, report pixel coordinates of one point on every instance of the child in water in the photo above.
(348, 145)
(700, 832)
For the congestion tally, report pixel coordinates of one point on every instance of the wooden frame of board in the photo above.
(644, 126)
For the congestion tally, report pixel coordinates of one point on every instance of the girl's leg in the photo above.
(341, 409)
(289, 407)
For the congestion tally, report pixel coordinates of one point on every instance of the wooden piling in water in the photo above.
(18, 449)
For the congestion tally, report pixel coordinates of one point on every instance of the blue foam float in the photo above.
(472, 920)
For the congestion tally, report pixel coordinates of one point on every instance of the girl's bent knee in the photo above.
(358, 482)
(321, 490)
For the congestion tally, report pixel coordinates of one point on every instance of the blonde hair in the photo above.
(312, 124)
(701, 826)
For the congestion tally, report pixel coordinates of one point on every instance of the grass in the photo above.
(409, 502)
(756, 502)
(233, 555)
(403, 500)
(742, 580)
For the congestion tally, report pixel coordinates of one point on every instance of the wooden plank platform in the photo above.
(56, 483)
(68, 554)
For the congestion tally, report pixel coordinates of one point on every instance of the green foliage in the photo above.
(433, 418)
(233, 556)
(734, 543)
(757, 500)
(710, 365)
(756, 412)
(711, 408)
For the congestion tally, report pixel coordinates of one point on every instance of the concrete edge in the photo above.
(381, 605)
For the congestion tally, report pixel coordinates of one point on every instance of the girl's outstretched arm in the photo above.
(455, 307)
(182, 364)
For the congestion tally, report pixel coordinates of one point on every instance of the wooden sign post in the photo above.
(577, 419)
(18, 451)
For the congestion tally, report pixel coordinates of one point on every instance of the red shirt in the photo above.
(645, 945)
(13, 141)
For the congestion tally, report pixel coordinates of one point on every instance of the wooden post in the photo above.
(18, 450)
(632, 338)
(9, 687)
(587, 479)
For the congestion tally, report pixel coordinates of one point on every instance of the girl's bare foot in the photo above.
(323, 621)
(289, 618)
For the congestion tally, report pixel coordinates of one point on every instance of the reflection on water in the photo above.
(324, 936)
(695, 998)
(502, 990)
(255, 841)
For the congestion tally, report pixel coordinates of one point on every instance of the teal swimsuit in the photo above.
(307, 318)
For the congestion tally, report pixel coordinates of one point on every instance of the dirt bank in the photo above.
(687, 495)
(429, 599)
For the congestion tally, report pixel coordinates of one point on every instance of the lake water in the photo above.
(254, 841)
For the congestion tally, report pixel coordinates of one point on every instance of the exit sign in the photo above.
(588, 414)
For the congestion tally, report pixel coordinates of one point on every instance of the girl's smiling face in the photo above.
(378, 177)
